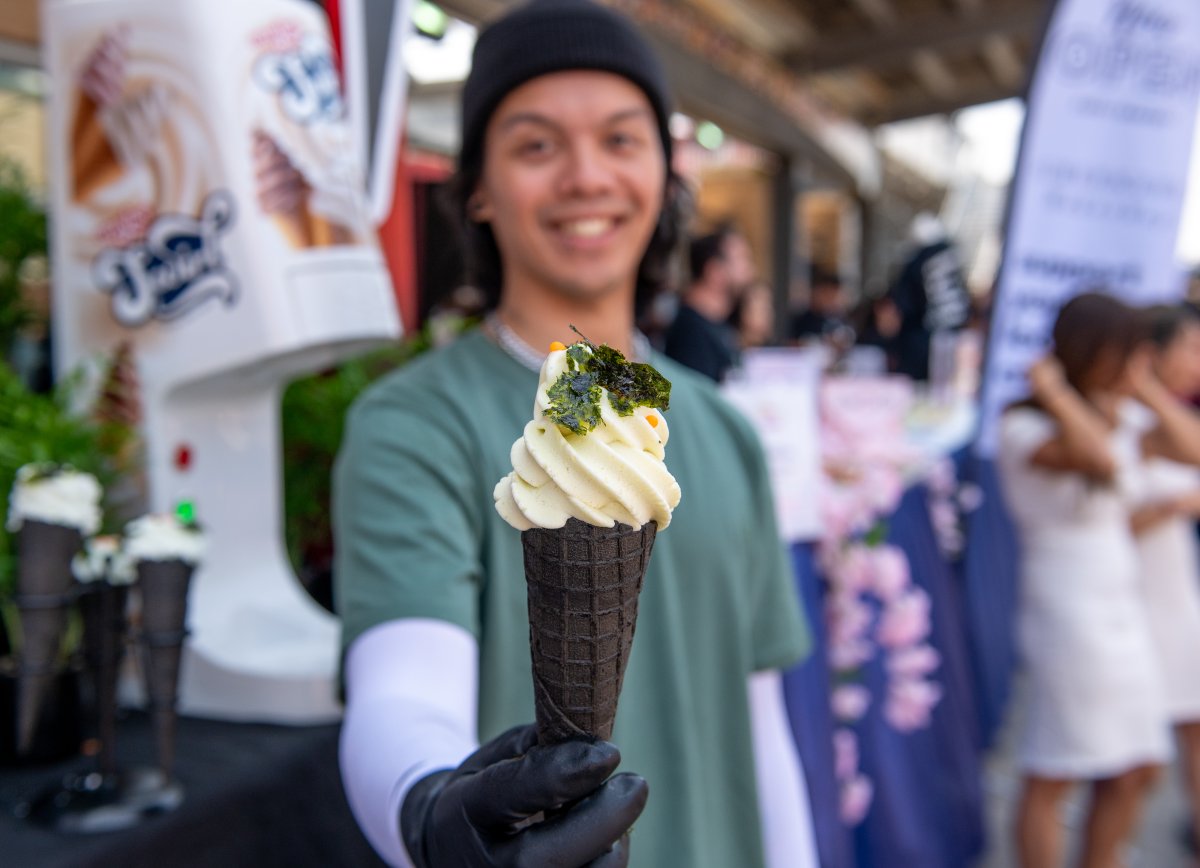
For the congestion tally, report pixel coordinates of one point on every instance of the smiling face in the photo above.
(572, 186)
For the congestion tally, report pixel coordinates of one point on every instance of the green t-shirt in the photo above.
(418, 537)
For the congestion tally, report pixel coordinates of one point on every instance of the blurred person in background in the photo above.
(1164, 522)
(754, 317)
(1096, 707)
(877, 324)
(931, 295)
(700, 337)
(825, 316)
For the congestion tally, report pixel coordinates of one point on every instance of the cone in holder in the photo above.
(164, 592)
(583, 584)
(44, 586)
(102, 606)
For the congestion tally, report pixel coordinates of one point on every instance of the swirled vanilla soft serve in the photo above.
(594, 448)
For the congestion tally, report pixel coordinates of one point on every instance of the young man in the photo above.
(700, 336)
(570, 207)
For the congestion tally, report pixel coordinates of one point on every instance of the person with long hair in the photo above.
(1096, 711)
(1169, 505)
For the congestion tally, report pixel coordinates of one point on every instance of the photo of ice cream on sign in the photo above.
(149, 214)
(306, 178)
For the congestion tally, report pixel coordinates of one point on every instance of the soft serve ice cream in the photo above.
(595, 446)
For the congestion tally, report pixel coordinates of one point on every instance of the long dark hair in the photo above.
(1089, 326)
(484, 270)
(1164, 322)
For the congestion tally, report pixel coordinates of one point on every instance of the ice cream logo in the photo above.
(174, 268)
(304, 79)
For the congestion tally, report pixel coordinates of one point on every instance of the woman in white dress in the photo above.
(1096, 710)
(1165, 524)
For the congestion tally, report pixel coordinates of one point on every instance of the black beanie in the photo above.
(548, 36)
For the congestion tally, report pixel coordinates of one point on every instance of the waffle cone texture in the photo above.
(583, 584)
(44, 585)
(164, 587)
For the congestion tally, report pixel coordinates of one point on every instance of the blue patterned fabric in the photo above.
(928, 805)
(989, 571)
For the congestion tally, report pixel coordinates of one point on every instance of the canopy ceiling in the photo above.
(877, 61)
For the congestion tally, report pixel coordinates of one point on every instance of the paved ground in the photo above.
(1158, 844)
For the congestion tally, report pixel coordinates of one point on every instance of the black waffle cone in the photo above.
(44, 587)
(164, 590)
(583, 584)
(102, 606)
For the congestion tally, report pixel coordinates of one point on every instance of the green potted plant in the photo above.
(43, 429)
(314, 411)
(22, 249)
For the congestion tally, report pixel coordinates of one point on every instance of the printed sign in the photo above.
(1101, 175)
(777, 392)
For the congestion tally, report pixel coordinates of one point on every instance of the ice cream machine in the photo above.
(209, 209)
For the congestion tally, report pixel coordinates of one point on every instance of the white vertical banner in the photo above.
(1101, 176)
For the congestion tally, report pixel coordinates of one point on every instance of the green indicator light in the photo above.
(185, 511)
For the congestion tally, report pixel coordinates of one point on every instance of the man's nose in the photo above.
(587, 171)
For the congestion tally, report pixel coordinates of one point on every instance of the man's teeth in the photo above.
(590, 228)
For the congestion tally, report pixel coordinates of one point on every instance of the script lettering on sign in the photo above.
(175, 268)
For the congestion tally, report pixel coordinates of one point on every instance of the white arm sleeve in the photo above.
(786, 818)
(411, 700)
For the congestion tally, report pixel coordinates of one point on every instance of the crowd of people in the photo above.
(1099, 467)
(726, 308)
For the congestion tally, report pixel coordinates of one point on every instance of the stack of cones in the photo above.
(44, 586)
(583, 584)
(164, 592)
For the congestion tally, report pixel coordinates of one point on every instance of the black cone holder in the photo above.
(108, 798)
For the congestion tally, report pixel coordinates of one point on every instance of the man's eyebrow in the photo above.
(544, 121)
(526, 118)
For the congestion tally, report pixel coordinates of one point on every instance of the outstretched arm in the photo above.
(411, 689)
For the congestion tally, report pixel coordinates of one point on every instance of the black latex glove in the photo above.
(478, 815)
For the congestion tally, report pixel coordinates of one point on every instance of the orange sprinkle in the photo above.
(556, 346)
(652, 419)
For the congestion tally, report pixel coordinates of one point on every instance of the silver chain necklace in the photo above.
(530, 358)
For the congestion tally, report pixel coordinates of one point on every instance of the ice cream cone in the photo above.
(94, 161)
(164, 590)
(296, 228)
(102, 606)
(327, 233)
(44, 584)
(583, 584)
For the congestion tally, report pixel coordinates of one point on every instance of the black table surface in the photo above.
(254, 795)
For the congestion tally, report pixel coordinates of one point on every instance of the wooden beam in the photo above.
(880, 13)
(770, 25)
(705, 92)
(896, 45)
(1003, 61)
(934, 74)
(19, 21)
(905, 108)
